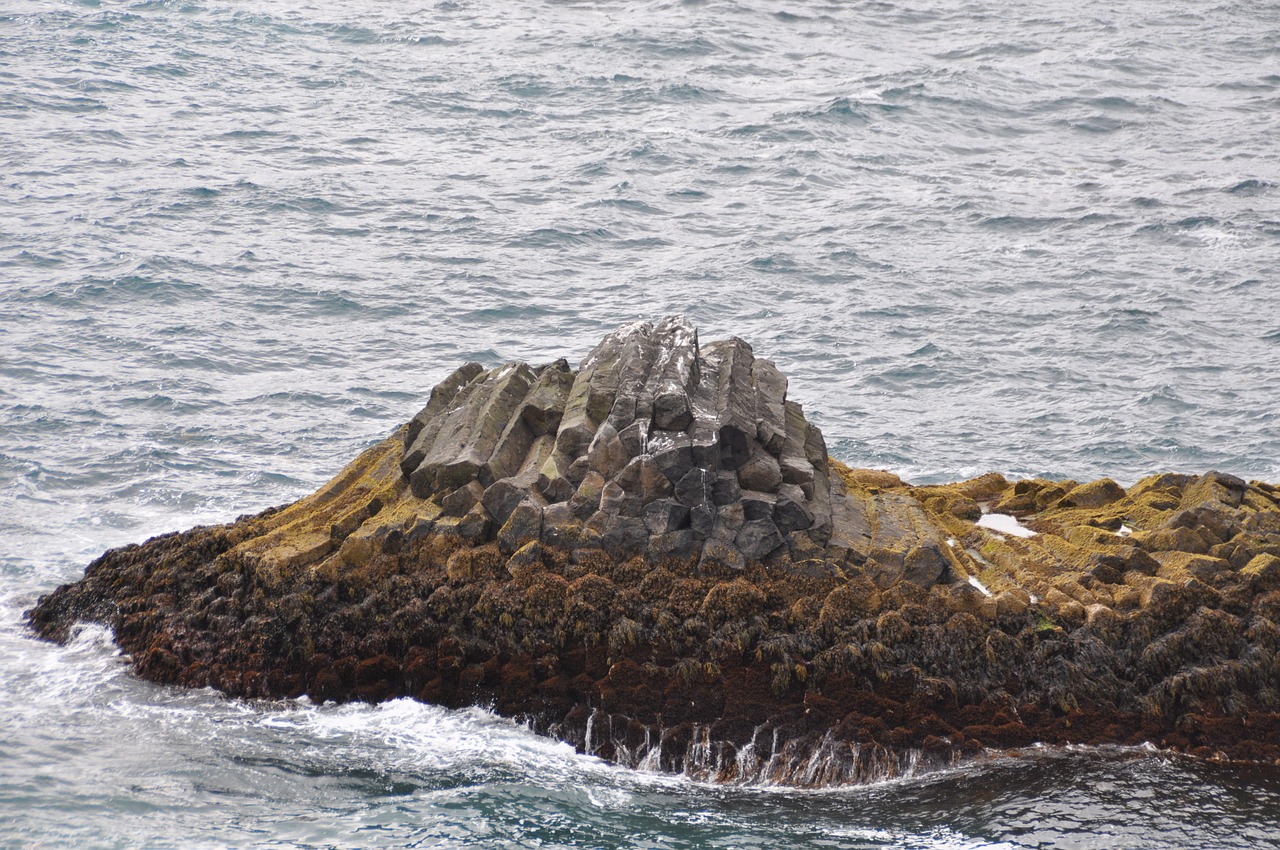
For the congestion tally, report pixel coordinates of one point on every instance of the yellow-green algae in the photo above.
(339, 528)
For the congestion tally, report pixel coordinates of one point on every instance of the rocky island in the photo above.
(652, 557)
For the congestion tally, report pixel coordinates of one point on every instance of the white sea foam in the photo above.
(940, 839)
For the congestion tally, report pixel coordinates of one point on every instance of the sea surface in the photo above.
(240, 241)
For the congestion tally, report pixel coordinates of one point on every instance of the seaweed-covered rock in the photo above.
(652, 556)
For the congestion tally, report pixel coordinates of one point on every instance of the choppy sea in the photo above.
(241, 241)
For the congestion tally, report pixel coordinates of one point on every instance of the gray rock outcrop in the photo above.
(655, 444)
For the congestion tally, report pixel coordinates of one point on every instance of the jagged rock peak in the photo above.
(655, 443)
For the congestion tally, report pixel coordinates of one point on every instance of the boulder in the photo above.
(758, 538)
(665, 515)
(925, 565)
(1094, 494)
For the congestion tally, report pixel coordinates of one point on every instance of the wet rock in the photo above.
(695, 488)
(702, 519)
(523, 526)
(652, 557)
(665, 515)
(671, 410)
(1263, 572)
(771, 395)
(526, 560)
(925, 565)
(476, 526)
(704, 445)
(673, 453)
(673, 544)
(501, 497)
(586, 499)
(725, 489)
(790, 512)
(758, 538)
(757, 505)
(643, 477)
(544, 406)
(760, 472)
(734, 399)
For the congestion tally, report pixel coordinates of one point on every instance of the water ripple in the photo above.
(239, 244)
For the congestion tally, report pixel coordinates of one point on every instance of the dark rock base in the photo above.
(756, 675)
(653, 558)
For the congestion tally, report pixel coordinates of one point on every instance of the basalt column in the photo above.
(655, 445)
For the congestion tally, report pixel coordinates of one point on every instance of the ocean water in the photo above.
(241, 241)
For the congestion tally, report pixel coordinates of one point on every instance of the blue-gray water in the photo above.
(240, 241)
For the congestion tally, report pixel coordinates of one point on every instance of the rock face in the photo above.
(655, 445)
(652, 558)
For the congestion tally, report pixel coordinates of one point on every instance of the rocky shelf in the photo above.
(653, 558)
